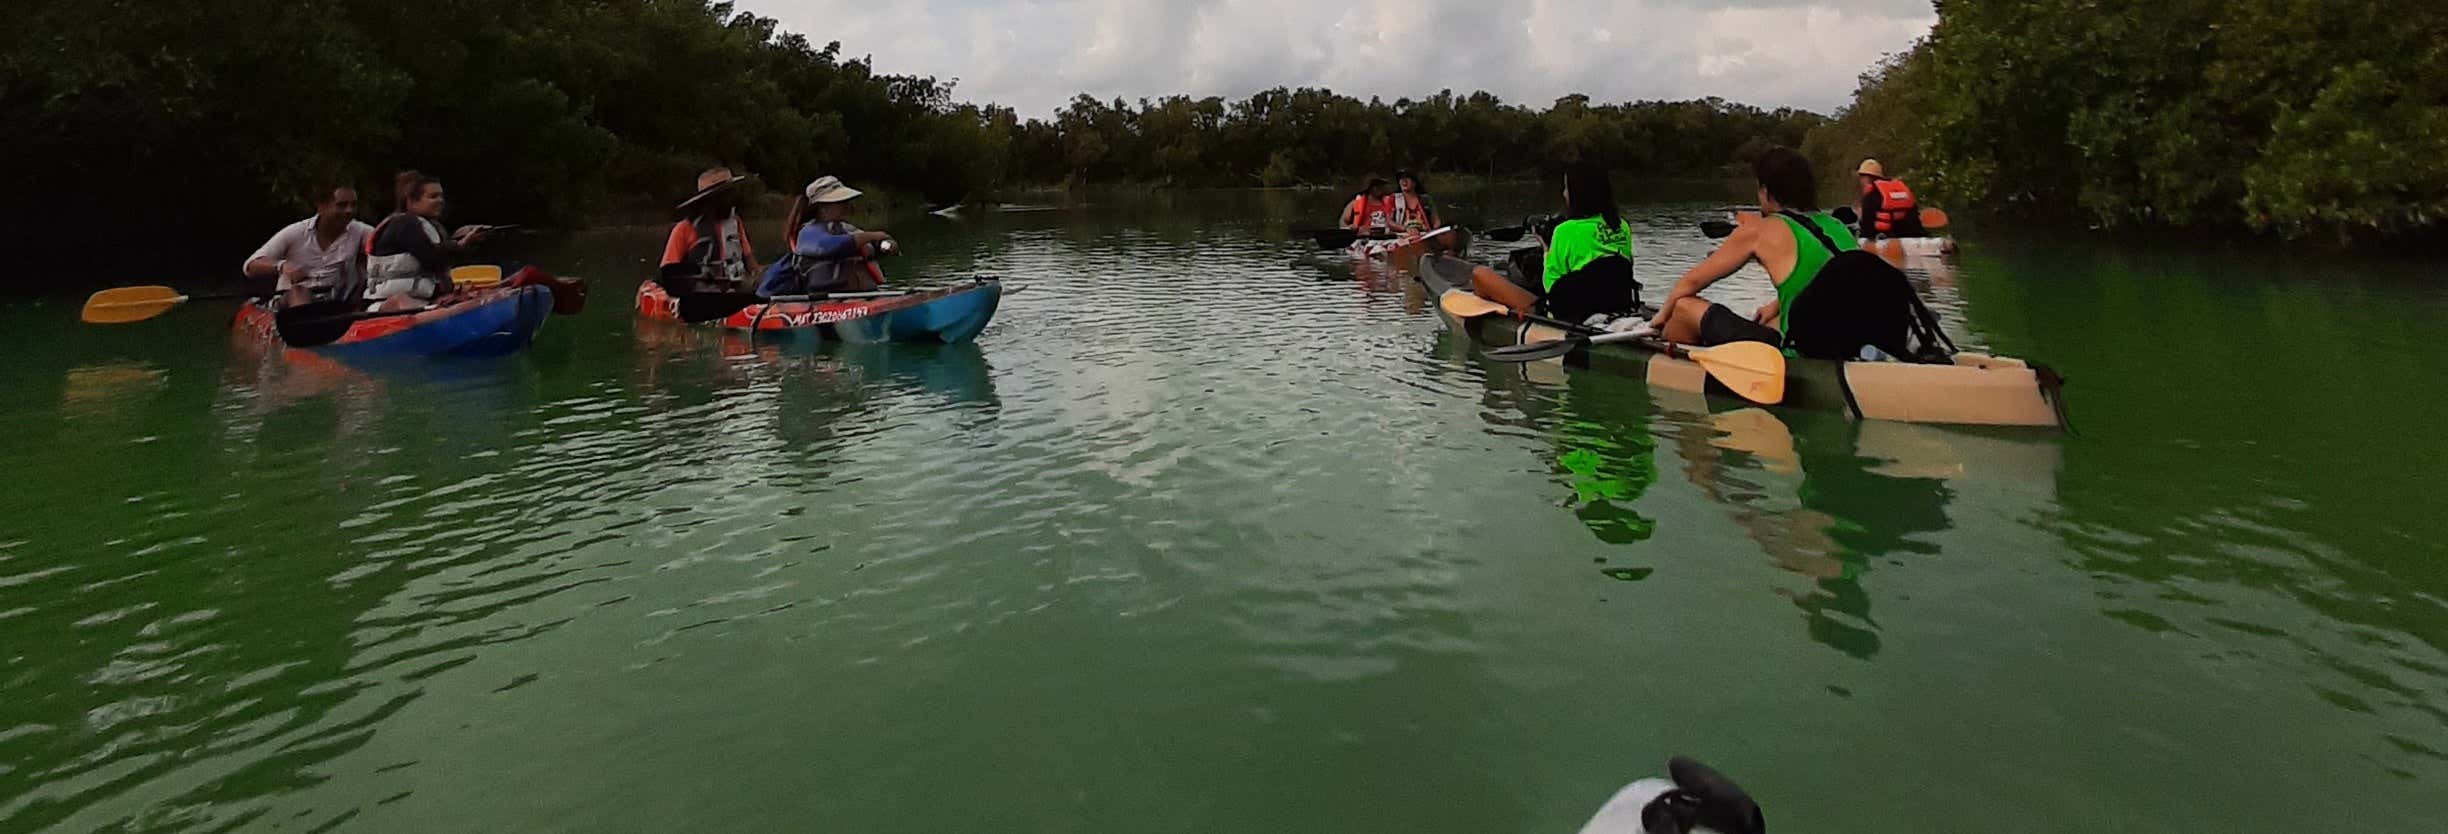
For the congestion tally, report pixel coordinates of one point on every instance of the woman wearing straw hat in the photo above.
(708, 250)
(827, 253)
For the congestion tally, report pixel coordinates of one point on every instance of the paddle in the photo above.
(1931, 220)
(1333, 238)
(324, 322)
(1753, 370)
(133, 304)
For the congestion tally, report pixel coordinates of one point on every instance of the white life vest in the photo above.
(401, 274)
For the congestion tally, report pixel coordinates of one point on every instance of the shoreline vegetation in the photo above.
(185, 131)
(2322, 121)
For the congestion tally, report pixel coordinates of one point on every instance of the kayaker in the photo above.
(315, 259)
(408, 255)
(1791, 255)
(1411, 210)
(708, 250)
(827, 253)
(1370, 212)
(1587, 271)
(1888, 208)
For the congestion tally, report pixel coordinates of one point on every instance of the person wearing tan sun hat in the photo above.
(708, 250)
(1888, 207)
(827, 253)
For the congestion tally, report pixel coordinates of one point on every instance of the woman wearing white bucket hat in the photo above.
(827, 253)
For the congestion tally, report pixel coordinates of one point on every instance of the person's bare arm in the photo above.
(1739, 249)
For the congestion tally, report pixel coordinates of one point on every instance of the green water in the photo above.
(1202, 536)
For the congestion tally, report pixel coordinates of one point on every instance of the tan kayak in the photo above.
(1975, 389)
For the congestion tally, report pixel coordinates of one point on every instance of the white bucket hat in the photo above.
(830, 190)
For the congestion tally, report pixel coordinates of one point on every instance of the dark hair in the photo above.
(797, 216)
(326, 193)
(1787, 177)
(1589, 192)
(1416, 182)
(406, 185)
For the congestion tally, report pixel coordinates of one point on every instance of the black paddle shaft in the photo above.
(324, 322)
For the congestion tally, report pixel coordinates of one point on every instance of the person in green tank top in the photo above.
(1587, 271)
(1777, 241)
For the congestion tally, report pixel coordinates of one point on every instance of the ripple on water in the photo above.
(1187, 506)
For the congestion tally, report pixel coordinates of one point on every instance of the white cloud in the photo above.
(1035, 54)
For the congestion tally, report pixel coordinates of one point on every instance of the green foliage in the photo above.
(209, 124)
(1288, 136)
(2299, 117)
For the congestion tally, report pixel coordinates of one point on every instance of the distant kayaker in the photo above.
(1888, 208)
(315, 259)
(1791, 254)
(1588, 267)
(708, 250)
(1371, 211)
(409, 255)
(1411, 211)
(827, 253)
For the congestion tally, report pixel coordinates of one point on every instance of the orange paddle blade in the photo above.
(130, 304)
(1463, 305)
(1933, 219)
(1754, 371)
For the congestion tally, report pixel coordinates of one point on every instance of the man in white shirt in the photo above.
(318, 258)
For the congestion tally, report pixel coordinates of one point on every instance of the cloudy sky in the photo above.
(1034, 54)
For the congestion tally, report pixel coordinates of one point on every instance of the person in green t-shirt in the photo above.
(1587, 271)
(1776, 239)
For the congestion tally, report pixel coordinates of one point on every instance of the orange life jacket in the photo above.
(1895, 204)
(1409, 209)
(1369, 214)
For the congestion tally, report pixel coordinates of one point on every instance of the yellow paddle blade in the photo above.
(1463, 305)
(127, 304)
(477, 277)
(1933, 219)
(1754, 371)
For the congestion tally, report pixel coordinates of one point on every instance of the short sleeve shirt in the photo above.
(296, 244)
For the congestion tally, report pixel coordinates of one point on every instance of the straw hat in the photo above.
(1872, 168)
(712, 182)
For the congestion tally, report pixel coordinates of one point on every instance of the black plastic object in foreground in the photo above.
(1721, 805)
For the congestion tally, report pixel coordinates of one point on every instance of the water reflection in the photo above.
(1829, 500)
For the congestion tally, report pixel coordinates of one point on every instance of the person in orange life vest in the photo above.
(1888, 208)
(1411, 212)
(708, 249)
(1370, 212)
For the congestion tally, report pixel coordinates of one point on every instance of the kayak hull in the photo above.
(1976, 389)
(950, 314)
(491, 323)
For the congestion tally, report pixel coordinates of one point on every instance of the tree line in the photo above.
(143, 124)
(2294, 118)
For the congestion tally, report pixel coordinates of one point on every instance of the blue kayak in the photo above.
(491, 323)
(950, 314)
